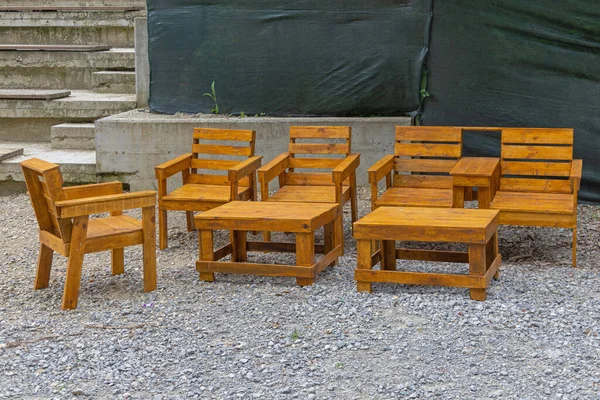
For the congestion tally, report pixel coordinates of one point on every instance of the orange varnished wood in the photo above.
(74, 234)
(208, 180)
(416, 197)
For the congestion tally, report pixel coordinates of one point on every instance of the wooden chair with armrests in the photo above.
(418, 173)
(539, 180)
(337, 185)
(63, 216)
(204, 184)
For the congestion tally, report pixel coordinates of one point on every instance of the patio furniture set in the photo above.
(533, 183)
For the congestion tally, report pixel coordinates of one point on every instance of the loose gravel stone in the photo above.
(537, 335)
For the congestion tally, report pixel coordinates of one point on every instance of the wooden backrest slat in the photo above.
(535, 185)
(536, 152)
(319, 148)
(535, 168)
(537, 135)
(325, 163)
(220, 180)
(217, 165)
(423, 165)
(530, 153)
(219, 149)
(225, 134)
(429, 133)
(308, 178)
(320, 132)
(428, 150)
(423, 181)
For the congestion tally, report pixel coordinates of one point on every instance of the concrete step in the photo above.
(60, 70)
(72, 3)
(77, 166)
(73, 136)
(113, 82)
(111, 28)
(31, 120)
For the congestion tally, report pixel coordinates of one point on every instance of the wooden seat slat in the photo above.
(553, 203)
(310, 194)
(415, 197)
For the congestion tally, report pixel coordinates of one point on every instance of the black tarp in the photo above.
(288, 58)
(533, 63)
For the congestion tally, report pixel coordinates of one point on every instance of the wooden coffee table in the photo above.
(477, 228)
(303, 219)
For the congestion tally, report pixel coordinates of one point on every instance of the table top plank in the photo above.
(475, 166)
(274, 216)
(428, 224)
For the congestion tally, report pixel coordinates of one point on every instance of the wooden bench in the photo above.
(477, 228)
(417, 174)
(63, 215)
(539, 179)
(303, 219)
(212, 175)
(296, 184)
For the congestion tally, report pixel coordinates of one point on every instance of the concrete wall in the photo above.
(142, 62)
(131, 144)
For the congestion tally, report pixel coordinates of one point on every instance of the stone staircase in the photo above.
(83, 46)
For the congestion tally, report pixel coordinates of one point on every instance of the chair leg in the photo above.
(353, 199)
(162, 229)
(76, 254)
(118, 261)
(189, 217)
(574, 256)
(149, 248)
(42, 277)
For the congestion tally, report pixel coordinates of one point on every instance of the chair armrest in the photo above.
(346, 168)
(244, 168)
(380, 169)
(576, 172)
(93, 190)
(104, 204)
(170, 168)
(273, 168)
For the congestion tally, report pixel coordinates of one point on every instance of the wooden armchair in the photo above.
(539, 180)
(338, 185)
(418, 174)
(63, 215)
(203, 188)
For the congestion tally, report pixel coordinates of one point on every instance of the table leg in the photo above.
(388, 255)
(484, 197)
(205, 246)
(329, 239)
(477, 267)
(458, 194)
(239, 251)
(363, 248)
(305, 255)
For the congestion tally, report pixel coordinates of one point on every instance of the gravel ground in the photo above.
(260, 337)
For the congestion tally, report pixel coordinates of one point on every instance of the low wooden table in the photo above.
(303, 219)
(480, 172)
(478, 228)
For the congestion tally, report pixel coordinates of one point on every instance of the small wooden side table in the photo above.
(303, 219)
(480, 172)
(477, 228)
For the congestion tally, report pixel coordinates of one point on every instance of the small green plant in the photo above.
(339, 365)
(295, 335)
(242, 115)
(213, 96)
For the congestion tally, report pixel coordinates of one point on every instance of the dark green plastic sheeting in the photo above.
(288, 58)
(533, 63)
